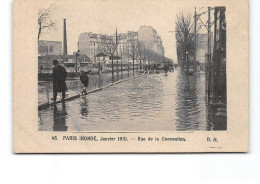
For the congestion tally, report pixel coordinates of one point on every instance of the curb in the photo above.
(47, 104)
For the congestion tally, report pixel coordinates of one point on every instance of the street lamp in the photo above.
(187, 62)
(77, 55)
(187, 56)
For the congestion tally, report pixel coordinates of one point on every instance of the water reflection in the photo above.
(59, 118)
(95, 81)
(84, 107)
(191, 108)
(155, 102)
(217, 119)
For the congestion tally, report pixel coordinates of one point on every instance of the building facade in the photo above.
(72, 63)
(218, 73)
(46, 47)
(202, 47)
(152, 41)
(92, 44)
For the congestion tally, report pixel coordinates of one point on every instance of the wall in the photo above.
(46, 47)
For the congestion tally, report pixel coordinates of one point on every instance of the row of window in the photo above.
(42, 49)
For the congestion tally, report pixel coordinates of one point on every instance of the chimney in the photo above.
(65, 52)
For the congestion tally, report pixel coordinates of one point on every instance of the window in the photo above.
(42, 49)
(51, 48)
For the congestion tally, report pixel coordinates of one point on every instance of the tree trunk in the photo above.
(133, 67)
(112, 66)
(39, 32)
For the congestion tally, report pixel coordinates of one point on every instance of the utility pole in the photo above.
(65, 51)
(144, 63)
(99, 69)
(121, 64)
(209, 85)
(133, 55)
(195, 36)
(116, 53)
(209, 52)
(187, 62)
(76, 61)
(148, 59)
(128, 63)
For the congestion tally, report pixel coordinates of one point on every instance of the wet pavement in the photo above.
(155, 102)
(75, 86)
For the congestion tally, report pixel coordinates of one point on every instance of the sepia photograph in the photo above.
(132, 70)
(140, 76)
(130, 91)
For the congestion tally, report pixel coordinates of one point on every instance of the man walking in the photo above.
(59, 76)
(85, 80)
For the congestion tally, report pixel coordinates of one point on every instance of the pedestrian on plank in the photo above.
(59, 77)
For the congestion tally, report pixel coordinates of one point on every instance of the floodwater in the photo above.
(155, 102)
(95, 81)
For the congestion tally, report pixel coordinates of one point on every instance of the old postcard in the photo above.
(130, 76)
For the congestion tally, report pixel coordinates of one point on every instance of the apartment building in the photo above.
(92, 44)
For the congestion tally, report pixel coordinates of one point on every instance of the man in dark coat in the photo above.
(59, 76)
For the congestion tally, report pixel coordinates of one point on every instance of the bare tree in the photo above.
(149, 55)
(111, 47)
(184, 35)
(140, 52)
(45, 21)
(133, 51)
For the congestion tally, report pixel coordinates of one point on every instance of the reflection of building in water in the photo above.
(59, 118)
(191, 109)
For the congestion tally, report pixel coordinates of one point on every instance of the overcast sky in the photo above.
(104, 17)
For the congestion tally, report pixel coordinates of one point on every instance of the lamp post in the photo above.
(76, 62)
(187, 62)
(117, 71)
(99, 69)
(121, 65)
(195, 35)
(77, 54)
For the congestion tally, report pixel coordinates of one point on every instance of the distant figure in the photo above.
(59, 76)
(166, 68)
(85, 80)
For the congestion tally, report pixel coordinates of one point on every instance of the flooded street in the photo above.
(155, 102)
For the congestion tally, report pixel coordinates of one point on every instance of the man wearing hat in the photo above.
(59, 76)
